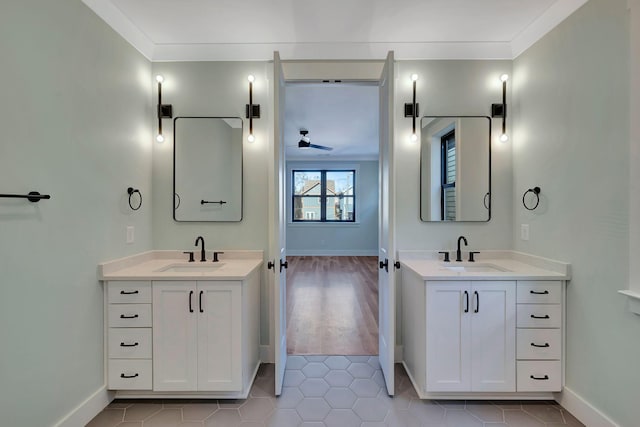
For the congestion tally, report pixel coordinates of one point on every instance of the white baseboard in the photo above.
(266, 354)
(583, 410)
(88, 409)
(331, 252)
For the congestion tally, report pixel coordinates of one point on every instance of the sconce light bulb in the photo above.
(251, 138)
(504, 137)
(414, 137)
(414, 77)
(160, 138)
(159, 78)
(251, 78)
(504, 77)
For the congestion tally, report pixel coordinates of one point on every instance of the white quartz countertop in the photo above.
(173, 265)
(494, 265)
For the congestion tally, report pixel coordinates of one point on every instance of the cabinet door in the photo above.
(175, 316)
(219, 336)
(448, 336)
(493, 336)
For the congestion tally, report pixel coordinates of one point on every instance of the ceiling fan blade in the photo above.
(321, 147)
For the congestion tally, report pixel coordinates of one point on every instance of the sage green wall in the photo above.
(76, 102)
(571, 138)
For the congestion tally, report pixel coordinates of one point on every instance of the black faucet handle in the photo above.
(215, 255)
(471, 253)
(191, 258)
(446, 256)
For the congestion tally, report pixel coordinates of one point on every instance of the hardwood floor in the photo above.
(332, 305)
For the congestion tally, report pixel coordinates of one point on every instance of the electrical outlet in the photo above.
(524, 231)
(130, 234)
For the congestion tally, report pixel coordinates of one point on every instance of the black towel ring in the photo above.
(536, 192)
(130, 191)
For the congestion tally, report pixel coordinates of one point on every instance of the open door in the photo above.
(386, 274)
(277, 236)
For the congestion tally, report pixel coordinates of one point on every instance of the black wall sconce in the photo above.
(165, 111)
(412, 109)
(252, 110)
(500, 110)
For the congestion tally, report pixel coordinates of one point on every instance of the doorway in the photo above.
(331, 156)
(382, 73)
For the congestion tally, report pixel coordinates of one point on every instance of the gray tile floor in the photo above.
(332, 391)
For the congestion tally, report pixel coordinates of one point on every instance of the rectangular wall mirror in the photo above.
(207, 169)
(455, 168)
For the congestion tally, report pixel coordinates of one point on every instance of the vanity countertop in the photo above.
(173, 265)
(489, 265)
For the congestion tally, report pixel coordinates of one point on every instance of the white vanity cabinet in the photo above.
(196, 336)
(470, 336)
(482, 336)
(183, 335)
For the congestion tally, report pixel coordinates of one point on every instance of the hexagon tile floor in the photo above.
(332, 391)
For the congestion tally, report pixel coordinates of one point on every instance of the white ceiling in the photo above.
(340, 115)
(170, 30)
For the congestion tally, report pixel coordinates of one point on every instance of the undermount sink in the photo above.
(190, 268)
(474, 268)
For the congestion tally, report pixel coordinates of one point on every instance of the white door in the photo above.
(278, 226)
(448, 336)
(219, 311)
(175, 363)
(493, 336)
(386, 274)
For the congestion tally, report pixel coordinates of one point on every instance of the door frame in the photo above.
(311, 71)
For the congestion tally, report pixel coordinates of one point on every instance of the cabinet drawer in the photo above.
(539, 376)
(539, 292)
(129, 292)
(539, 316)
(130, 374)
(539, 344)
(130, 315)
(130, 343)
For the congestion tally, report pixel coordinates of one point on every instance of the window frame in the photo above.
(444, 159)
(323, 196)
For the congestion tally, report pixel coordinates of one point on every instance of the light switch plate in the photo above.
(130, 234)
(524, 231)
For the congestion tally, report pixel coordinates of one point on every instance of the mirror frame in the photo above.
(489, 193)
(241, 166)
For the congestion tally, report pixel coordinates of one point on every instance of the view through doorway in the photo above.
(332, 228)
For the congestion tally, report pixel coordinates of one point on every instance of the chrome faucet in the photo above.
(458, 251)
(203, 256)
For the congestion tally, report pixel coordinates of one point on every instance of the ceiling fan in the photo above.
(305, 142)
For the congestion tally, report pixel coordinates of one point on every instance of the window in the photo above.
(448, 176)
(324, 196)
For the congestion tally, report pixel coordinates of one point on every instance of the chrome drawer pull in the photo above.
(122, 316)
(128, 376)
(128, 293)
(136, 344)
(541, 346)
(539, 293)
(546, 377)
(546, 316)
